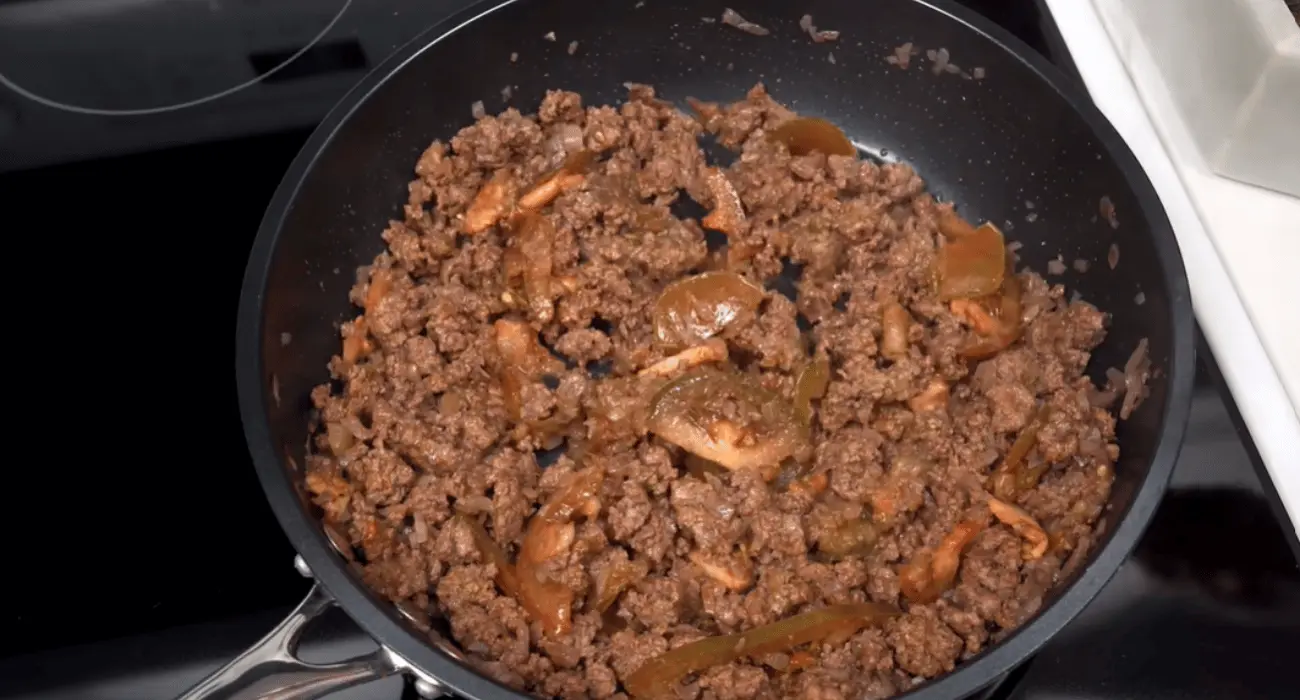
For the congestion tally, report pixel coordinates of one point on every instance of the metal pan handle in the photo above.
(271, 669)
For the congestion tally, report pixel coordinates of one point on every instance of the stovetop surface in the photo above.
(142, 554)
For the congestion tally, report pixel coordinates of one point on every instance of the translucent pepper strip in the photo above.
(660, 675)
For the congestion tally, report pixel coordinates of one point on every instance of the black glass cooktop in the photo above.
(141, 554)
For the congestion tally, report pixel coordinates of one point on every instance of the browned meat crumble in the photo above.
(514, 315)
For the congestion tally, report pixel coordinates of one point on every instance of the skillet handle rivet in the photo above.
(301, 565)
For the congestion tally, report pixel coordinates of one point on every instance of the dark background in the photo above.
(136, 506)
(132, 507)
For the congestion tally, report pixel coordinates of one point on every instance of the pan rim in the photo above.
(375, 615)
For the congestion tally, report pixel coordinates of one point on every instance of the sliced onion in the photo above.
(728, 215)
(726, 418)
(711, 350)
(512, 391)
(340, 438)
(659, 676)
(522, 360)
(811, 384)
(803, 135)
(548, 602)
(550, 534)
(490, 204)
(580, 495)
(977, 315)
(518, 347)
(1028, 476)
(733, 575)
(893, 337)
(488, 547)
(694, 309)
(545, 540)
(1003, 313)
(972, 266)
(916, 579)
(947, 556)
(565, 139)
(1007, 479)
(613, 580)
(934, 397)
(1024, 525)
(930, 573)
(570, 175)
(531, 256)
(1027, 438)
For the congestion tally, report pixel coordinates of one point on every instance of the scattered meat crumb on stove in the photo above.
(977, 72)
(831, 57)
(514, 56)
(285, 339)
(477, 110)
(1056, 266)
(1031, 217)
(1029, 204)
(1140, 298)
(549, 36)
(1108, 212)
(732, 18)
(1081, 265)
(506, 93)
(709, 20)
(818, 36)
(1112, 256)
(573, 47)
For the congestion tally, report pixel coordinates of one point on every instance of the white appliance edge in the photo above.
(1247, 368)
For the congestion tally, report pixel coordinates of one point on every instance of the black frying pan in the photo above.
(1018, 135)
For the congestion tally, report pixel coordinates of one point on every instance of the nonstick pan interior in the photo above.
(1009, 147)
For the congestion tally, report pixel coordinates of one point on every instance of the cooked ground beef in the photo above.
(494, 338)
